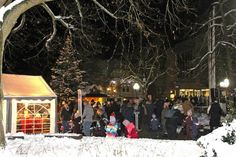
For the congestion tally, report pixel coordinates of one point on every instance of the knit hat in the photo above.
(125, 122)
(153, 115)
(112, 118)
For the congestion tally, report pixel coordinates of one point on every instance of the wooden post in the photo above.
(80, 102)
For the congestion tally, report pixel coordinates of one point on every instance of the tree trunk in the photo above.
(212, 59)
(9, 19)
(2, 137)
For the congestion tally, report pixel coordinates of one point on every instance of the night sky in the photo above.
(25, 51)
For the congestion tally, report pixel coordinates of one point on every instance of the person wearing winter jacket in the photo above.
(112, 127)
(87, 118)
(155, 124)
(215, 114)
(131, 131)
(191, 126)
(101, 122)
(65, 117)
(187, 105)
(76, 119)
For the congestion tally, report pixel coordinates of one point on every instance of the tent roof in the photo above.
(25, 86)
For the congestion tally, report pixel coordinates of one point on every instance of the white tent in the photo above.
(29, 104)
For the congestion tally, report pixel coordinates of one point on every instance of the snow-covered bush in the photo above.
(220, 142)
(230, 137)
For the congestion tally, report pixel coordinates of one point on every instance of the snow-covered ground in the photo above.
(213, 144)
(39, 146)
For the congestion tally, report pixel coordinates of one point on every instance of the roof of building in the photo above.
(25, 86)
(95, 95)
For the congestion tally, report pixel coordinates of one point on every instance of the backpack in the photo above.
(154, 124)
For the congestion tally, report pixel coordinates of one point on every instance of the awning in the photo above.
(95, 95)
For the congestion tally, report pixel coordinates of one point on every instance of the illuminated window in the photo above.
(33, 118)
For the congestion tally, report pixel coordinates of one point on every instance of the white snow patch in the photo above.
(213, 142)
(4, 9)
(203, 119)
(38, 146)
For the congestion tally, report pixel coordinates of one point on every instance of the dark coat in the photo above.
(65, 114)
(191, 127)
(171, 124)
(159, 108)
(215, 113)
(150, 110)
(128, 112)
(99, 126)
(77, 126)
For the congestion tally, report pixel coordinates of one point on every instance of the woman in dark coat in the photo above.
(191, 125)
(171, 123)
(215, 114)
(76, 119)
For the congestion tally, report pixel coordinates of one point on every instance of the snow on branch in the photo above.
(131, 78)
(53, 24)
(230, 12)
(229, 27)
(4, 9)
(158, 75)
(54, 19)
(20, 25)
(205, 56)
(224, 43)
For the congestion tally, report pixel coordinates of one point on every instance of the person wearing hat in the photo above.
(131, 131)
(112, 127)
(215, 113)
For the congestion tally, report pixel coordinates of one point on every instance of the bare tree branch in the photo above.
(104, 9)
(224, 23)
(205, 56)
(79, 8)
(155, 78)
(54, 19)
(49, 11)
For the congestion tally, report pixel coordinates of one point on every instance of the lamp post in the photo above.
(136, 87)
(224, 84)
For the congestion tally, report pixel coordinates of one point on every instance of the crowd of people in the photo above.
(128, 118)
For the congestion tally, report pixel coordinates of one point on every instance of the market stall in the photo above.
(96, 97)
(29, 104)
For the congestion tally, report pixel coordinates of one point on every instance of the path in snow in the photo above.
(38, 146)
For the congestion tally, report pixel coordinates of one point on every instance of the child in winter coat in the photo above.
(101, 122)
(76, 119)
(131, 131)
(155, 123)
(191, 126)
(112, 127)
